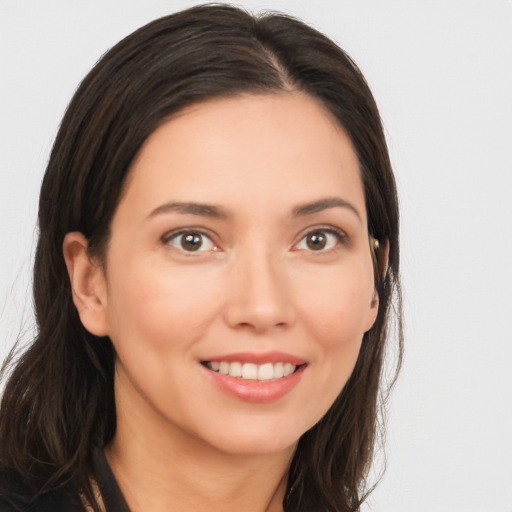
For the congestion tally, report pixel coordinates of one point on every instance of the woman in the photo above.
(217, 259)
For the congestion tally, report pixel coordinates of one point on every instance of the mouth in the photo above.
(259, 378)
(252, 371)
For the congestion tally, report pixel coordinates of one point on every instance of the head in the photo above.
(195, 61)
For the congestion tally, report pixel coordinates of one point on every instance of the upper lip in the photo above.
(258, 358)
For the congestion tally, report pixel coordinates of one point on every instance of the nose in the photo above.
(259, 298)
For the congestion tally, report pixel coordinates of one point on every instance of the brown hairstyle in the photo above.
(59, 399)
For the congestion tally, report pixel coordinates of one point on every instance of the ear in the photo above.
(88, 284)
(383, 259)
(380, 259)
(373, 311)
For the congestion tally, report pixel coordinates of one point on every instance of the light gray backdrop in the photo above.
(441, 72)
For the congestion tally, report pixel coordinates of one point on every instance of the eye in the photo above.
(320, 240)
(190, 241)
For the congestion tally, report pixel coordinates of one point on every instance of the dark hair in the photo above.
(59, 399)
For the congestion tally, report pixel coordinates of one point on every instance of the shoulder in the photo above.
(6, 506)
(18, 494)
(51, 502)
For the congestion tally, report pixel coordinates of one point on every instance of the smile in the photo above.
(259, 378)
(251, 371)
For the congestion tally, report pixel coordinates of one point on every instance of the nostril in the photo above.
(258, 303)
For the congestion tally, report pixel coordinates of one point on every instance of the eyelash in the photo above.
(169, 237)
(340, 236)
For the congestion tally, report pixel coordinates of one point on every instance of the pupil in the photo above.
(316, 241)
(191, 242)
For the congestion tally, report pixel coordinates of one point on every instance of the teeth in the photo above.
(250, 371)
(235, 369)
(288, 369)
(278, 370)
(224, 368)
(266, 372)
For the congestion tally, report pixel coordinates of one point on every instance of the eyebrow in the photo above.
(202, 209)
(324, 204)
(210, 210)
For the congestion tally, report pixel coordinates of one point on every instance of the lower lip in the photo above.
(256, 391)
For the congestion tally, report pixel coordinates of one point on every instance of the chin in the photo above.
(255, 442)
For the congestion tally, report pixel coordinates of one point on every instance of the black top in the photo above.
(61, 501)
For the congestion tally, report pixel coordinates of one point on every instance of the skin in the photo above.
(254, 286)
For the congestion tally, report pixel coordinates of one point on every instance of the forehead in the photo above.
(270, 148)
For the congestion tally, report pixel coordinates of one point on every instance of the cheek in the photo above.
(336, 317)
(337, 306)
(155, 305)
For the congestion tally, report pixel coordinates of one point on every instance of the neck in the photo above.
(151, 478)
(159, 467)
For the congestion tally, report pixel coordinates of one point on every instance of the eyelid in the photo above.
(168, 236)
(343, 238)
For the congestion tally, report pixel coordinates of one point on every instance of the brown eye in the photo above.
(316, 241)
(320, 240)
(191, 241)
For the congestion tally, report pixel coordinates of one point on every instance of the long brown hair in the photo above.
(59, 399)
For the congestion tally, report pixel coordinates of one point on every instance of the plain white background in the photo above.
(442, 75)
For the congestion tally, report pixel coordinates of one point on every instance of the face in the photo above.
(238, 278)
